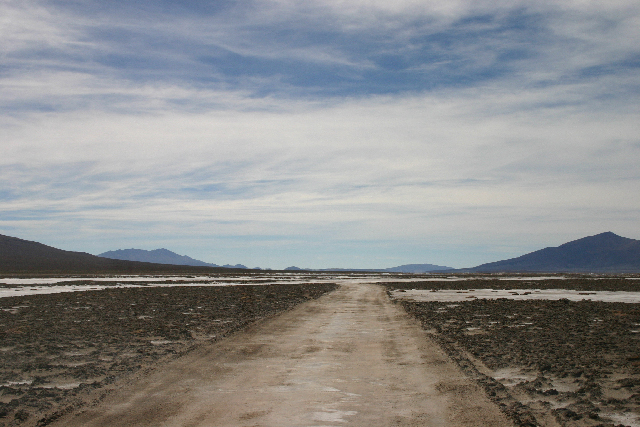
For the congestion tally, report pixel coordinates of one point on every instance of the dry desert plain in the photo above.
(309, 349)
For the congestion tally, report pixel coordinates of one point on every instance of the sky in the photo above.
(319, 133)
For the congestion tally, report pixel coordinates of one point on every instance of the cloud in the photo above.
(409, 127)
(294, 49)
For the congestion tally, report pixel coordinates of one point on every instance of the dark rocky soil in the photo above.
(57, 350)
(547, 363)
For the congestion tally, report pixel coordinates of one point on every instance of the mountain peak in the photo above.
(18, 256)
(602, 241)
(158, 256)
(604, 252)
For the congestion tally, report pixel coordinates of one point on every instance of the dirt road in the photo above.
(350, 358)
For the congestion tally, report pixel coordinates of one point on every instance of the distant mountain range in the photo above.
(18, 256)
(417, 268)
(407, 268)
(160, 256)
(602, 253)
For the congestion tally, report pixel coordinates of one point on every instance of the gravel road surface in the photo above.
(349, 358)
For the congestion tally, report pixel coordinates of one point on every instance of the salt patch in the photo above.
(447, 295)
(627, 419)
(54, 280)
(563, 385)
(65, 386)
(279, 277)
(512, 376)
(170, 281)
(56, 289)
(16, 383)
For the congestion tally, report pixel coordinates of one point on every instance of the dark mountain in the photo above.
(602, 253)
(157, 256)
(19, 256)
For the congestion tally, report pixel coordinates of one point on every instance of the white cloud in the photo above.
(541, 148)
(370, 169)
(29, 24)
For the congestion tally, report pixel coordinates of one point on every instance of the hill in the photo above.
(602, 253)
(157, 256)
(18, 256)
(416, 268)
(407, 268)
(161, 256)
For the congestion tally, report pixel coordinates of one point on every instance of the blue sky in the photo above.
(319, 133)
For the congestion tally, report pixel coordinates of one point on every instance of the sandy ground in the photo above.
(350, 357)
